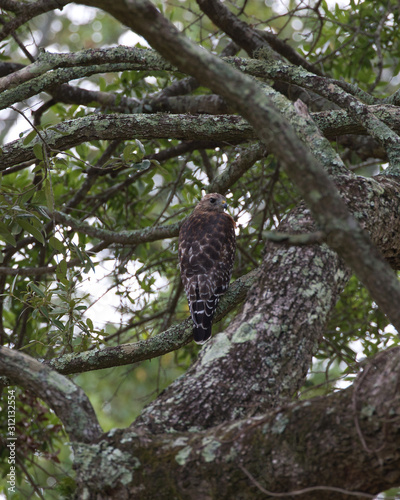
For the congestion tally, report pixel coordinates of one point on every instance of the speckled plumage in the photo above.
(206, 254)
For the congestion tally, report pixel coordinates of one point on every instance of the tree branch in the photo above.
(123, 237)
(250, 39)
(231, 129)
(317, 435)
(236, 169)
(95, 127)
(67, 400)
(174, 338)
(27, 12)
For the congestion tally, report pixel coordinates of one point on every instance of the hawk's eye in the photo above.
(213, 200)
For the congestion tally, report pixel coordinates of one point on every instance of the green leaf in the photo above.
(57, 244)
(38, 151)
(29, 138)
(5, 235)
(36, 289)
(79, 253)
(30, 229)
(141, 147)
(44, 311)
(42, 211)
(14, 281)
(58, 324)
(61, 270)
(129, 153)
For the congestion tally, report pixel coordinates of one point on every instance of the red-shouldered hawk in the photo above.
(206, 255)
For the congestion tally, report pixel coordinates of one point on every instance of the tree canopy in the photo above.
(117, 117)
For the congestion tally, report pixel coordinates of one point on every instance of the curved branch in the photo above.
(47, 61)
(26, 83)
(67, 400)
(241, 33)
(247, 37)
(236, 169)
(28, 11)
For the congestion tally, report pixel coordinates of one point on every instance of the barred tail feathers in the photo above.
(202, 312)
(201, 335)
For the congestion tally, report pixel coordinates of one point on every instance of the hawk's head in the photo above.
(213, 202)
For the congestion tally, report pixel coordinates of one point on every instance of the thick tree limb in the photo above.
(275, 332)
(231, 129)
(335, 93)
(310, 444)
(67, 400)
(283, 320)
(71, 133)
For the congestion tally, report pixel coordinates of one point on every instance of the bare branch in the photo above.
(295, 239)
(236, 169)
(124, 237)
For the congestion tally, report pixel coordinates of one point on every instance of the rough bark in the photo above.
(67, 400)
(94, 127)
(355, 431)
(281, 325)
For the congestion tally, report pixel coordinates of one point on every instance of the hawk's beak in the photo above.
(224, 205)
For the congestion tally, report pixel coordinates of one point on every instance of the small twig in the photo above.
(30, 123)
(356, 387)
(377, 37)
(304, 490)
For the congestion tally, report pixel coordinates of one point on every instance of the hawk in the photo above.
(206, 255)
